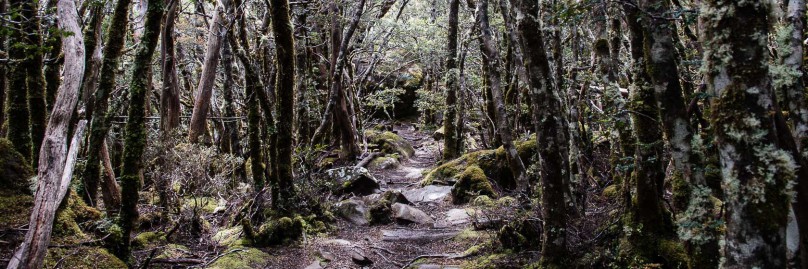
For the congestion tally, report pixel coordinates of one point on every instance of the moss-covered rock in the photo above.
(82, 257)
(352, 180)
(279, 231)
(241, 258)
(380, 211)
(472, 182)
(390, 143)
(14, 170)
(384, 162)
(66, 227)
(148, 240)
(173, 251)
(492, 162)
(228, 237)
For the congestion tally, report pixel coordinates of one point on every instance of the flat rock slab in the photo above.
(458, 216)
(428, 194)
(417, 235)
(409, 214)
(338, 242)
(353, 210)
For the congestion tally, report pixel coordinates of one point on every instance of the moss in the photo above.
(472, 182)
(227, 237)
(206, 204)
(483, 201)
(173, 251)
(521, 234)
(492, 261)
(492, 162)
(241, 258)
(148, 239)
(81, 257)
(280, 231)
(15, 171)
(15, 209)
(611, 191)
(467, 235)
(636, 252)
(390, 143)
(66, 227)
(380, 211)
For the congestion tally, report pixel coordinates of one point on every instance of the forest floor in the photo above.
(445, 243)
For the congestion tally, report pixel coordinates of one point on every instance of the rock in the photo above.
(338, 242)
(394, 196)
(241, 258)
(314, 265)
(353, 210)
(417, 235)
(381, 211)
(407, 214)
(384, 163)
(355, 180)
(439, 133)
(227, 237)
(326, 256)
(390, 143)
(430, 193)
(472, 182)
(359, 257)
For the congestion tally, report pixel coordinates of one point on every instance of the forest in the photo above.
(403, 134)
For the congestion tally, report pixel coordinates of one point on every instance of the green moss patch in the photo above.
(472, 182)
(14, 170)
(241, 258)
(148, 240)
(390, 143)
(82, 257)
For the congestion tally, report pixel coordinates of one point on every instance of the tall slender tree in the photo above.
(207, 79)
(285, 89)
(451, 146)
(19, 120)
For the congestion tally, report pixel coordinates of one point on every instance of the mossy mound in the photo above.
(82, 257)
(173, 251)
(471, 183)
(492, 162)
(70, 217)
(14, 170)
(206, 204)
(381, 210)
(652, 253)
(521, 234)
(15, 209)
(148, 240)
(228, 237)
(390, 143)
(241, 258)
(280, 231)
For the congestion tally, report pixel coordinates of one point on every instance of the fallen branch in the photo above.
(367, 159)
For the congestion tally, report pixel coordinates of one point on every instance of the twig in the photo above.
(386, 259)
(431, 256)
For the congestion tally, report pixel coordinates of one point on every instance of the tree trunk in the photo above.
(55, 172)
(19, 118)
(52, 74)
(207, 79)
(110, 191)
(99, 126)
(551, 134)
(492, 58)
(755, 172)
(135, 139)
(337, 104)
(35, 79)
(170, 96)
(285, 89)
(450, 144)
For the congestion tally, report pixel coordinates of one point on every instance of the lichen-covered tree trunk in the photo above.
(792, 59)
(3, 74)
(491, 58)
(55, 170)
(207, 79)
(285, 89)
(99, 127)
(692, 191)
(170, 96)
(552, 133)
(755, 173)
(19, 120)
(451, 148)
(135, 139)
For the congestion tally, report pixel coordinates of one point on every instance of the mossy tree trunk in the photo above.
(491, 58)
(35, 78)
(99, 127)
(135, 139)
(285, 89)
(659, 51)
(755, 173)
(19, 120)
(55, 163)
(3, 75)
(552, 133)
(52, 74)
(451, 146)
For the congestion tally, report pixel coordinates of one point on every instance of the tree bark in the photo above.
(451, 147)
(99, 126)
(285, 89)
(35, 78)
(491, 56)
(551, 131)
(135, 139)
(19, 116)
(755, 172)
(53, 176)
(170, 96)
(207, 79)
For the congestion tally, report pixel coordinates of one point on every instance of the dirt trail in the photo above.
(428, 245)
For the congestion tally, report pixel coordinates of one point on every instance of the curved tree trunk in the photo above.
(170, 96)
(55, 172)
